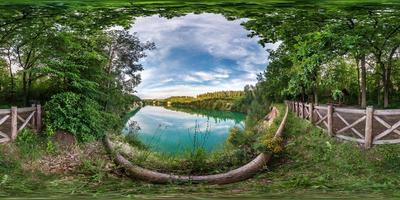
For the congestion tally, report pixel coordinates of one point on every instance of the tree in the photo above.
(124, 50)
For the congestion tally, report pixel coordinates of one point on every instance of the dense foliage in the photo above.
(78, 115)
(221, 100)
(220, 94)
(331, 55)
(42, 56)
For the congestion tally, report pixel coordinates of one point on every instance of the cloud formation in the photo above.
(197, 53)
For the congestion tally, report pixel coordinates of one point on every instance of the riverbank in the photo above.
(222, 104)
(221, 101)
(312, 165)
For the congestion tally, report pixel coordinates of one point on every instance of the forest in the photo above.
(75, 69)
(220, 100)
(81, 62)
(342, 56)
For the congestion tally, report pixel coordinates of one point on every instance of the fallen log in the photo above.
(236, 175)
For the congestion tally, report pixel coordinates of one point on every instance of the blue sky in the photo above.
(197, 54)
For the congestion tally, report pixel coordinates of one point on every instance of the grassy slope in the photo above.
(312, 165)
(313, 160)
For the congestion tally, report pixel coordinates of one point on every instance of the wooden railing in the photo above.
(13, 120)
(367, 126)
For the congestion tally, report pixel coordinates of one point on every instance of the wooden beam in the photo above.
(330, 120)
(21, 119)
(311, 112)
(368, 127)
(394, 141)
(349, 138)
(33, 121)
(4, 135)
(38, 118)
(26, 121)
(350, 126)
(25, 110)
(4, 119)
(387, 112)
(5, 111)
(350, 111)
(380, 120)
(14, 123)
(386, 132)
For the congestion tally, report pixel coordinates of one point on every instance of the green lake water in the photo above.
(178, 130)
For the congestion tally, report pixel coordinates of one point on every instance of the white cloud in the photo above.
(209, 33)
(190, 78)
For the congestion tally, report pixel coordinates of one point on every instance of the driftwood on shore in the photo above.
(244, 172)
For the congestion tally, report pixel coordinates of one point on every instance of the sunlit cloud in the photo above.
(197, 54)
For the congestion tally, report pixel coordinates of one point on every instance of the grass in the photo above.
(312, 165)
(313, 160)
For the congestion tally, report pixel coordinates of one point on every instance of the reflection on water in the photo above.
(173, 131)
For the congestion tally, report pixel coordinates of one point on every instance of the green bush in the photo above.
(26, 138)
(75, 114)
(29, 143)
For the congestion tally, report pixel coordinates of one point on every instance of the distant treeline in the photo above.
(221, 100)
(220, 94)
(178, 99)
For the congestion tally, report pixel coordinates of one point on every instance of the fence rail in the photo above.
(13, 120)
(367, 126)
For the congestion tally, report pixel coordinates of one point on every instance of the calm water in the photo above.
(173, 131)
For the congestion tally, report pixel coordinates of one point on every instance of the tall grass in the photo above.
(314, 160)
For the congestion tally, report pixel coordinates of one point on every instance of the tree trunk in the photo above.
(12, 79)
(12, 85)
(363, 82)
(315, 97)
(28, 92)
(388, 74)
(24, 84)
(378, 95)
(385, 84)
(386, 81)
(109, 71)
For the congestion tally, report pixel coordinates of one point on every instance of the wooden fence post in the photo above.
(302, 110)
(330, 120)
(311, 112)
(368, 127)
(292, 106)
(38, 118)
(14, 123)
(298, 109)
(33, 122)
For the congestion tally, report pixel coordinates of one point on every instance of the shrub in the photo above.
(75, 114)
(29, 144)
(27, 138)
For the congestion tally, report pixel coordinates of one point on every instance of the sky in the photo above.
(197, 53)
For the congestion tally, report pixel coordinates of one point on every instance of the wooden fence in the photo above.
(13, 120)
(367, 126)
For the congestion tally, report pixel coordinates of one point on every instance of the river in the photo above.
(175, 131)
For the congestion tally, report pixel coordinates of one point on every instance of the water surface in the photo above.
(173, 131)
